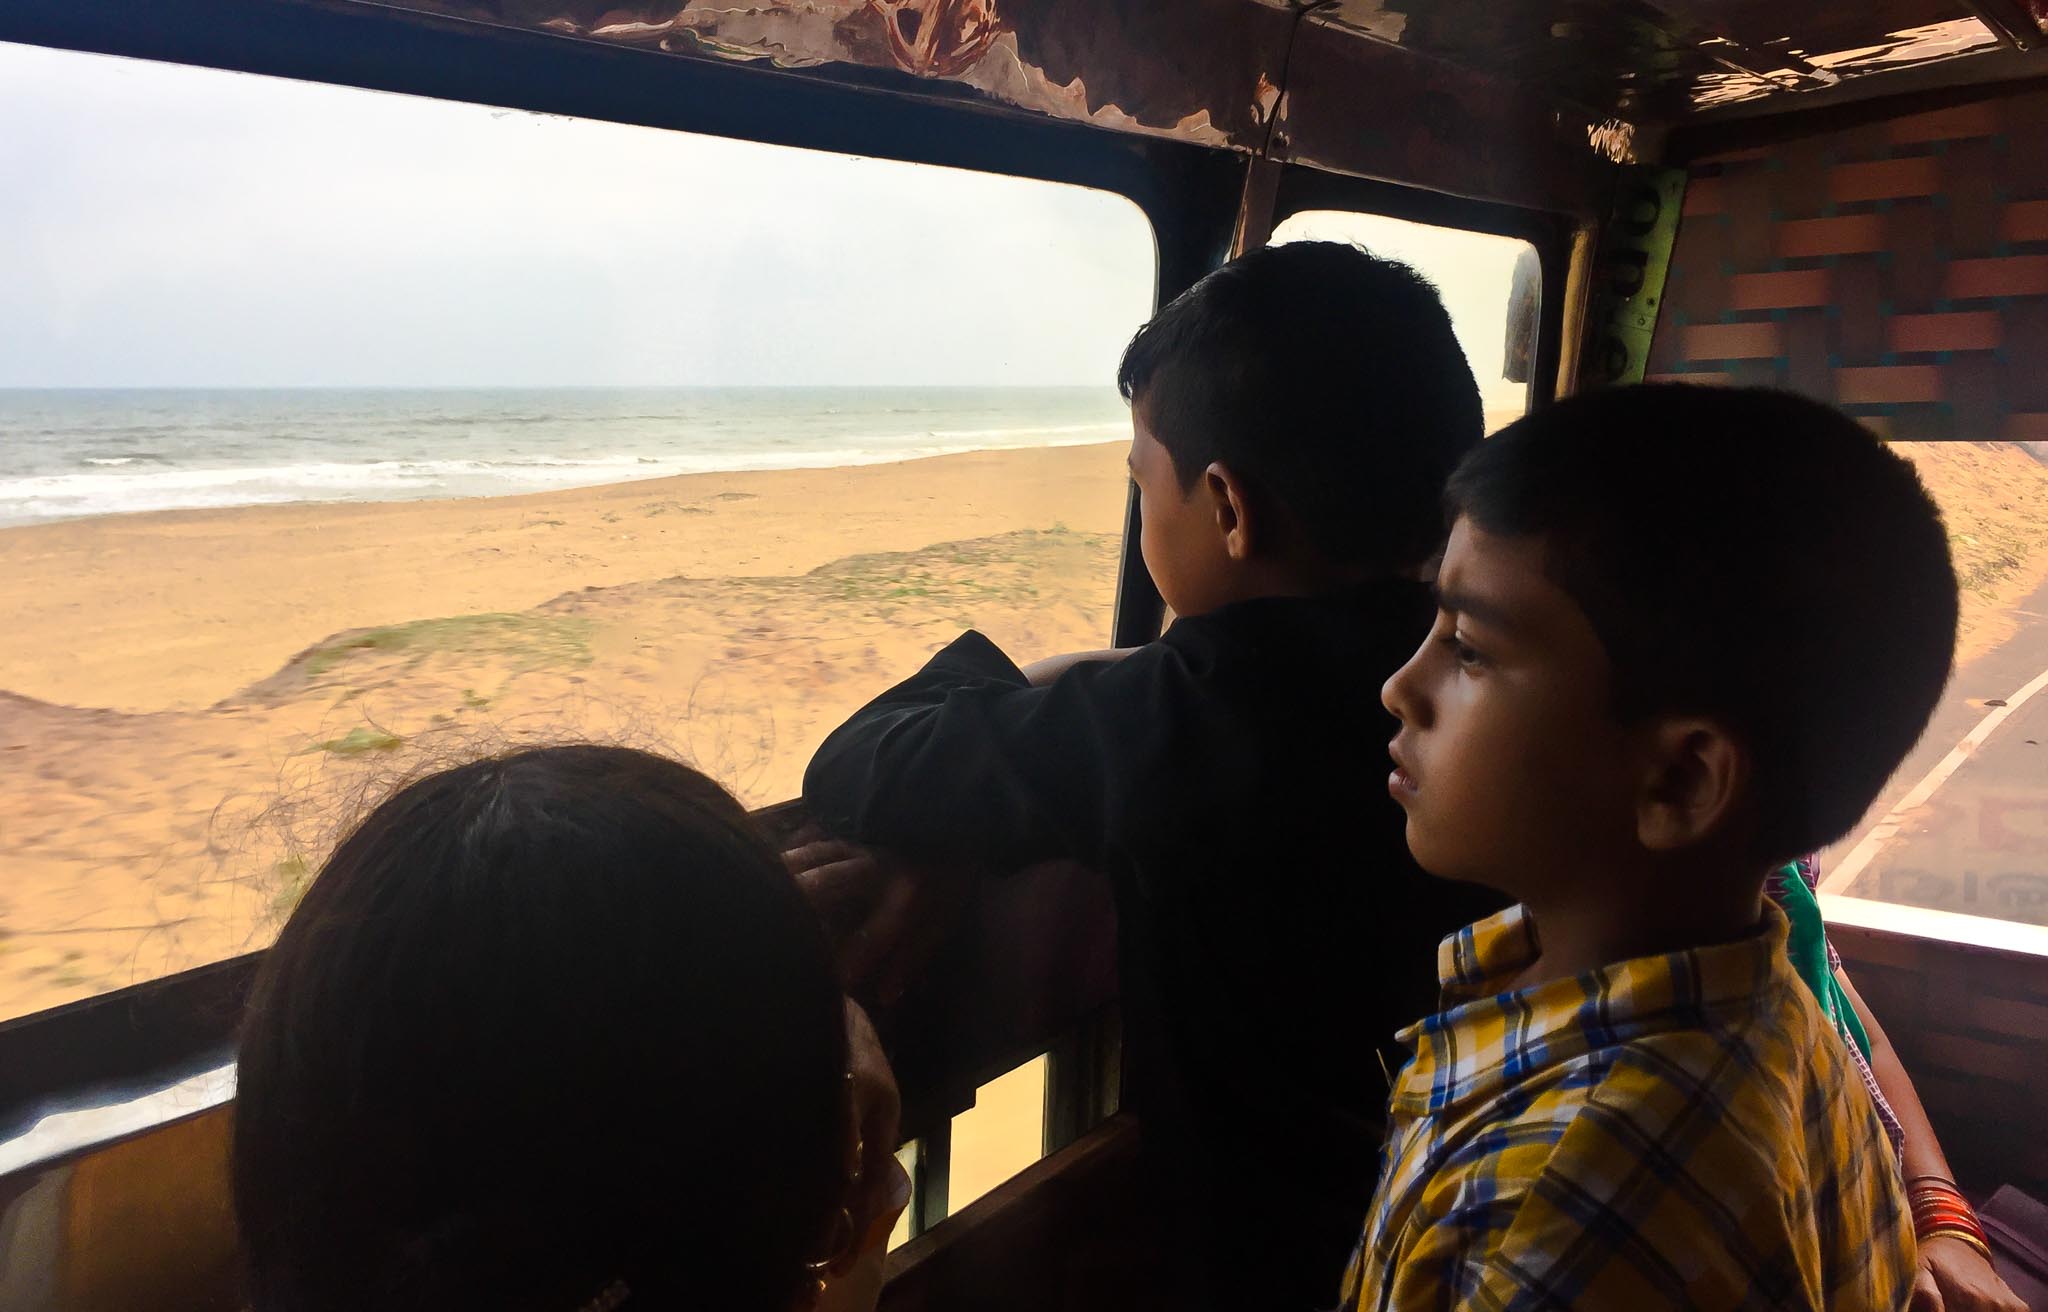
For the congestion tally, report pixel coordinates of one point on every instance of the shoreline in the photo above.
(181, 609)
(845, 458)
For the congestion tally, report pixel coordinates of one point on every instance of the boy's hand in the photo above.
(1954, 1277)
(885, 914)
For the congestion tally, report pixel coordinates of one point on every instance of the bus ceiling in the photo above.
(1518, 101)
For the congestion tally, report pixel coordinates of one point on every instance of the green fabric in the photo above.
(1808, 948)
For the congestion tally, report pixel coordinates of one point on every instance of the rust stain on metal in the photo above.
(938, 38)
(1908, 48)
(1201, 71)
(1213, 71)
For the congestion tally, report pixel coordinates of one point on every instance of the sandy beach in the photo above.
(193, 703)
(196, 701)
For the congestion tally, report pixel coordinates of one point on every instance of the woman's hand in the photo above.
(1955, 1277)
(881, 1193)
(879, 1196)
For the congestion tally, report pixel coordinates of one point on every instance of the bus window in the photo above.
(1000, 1135)
(1492, 286)
(1963, 825)
(1895, 269)
(343, 434)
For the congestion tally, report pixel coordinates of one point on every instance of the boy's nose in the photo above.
(1394, 695)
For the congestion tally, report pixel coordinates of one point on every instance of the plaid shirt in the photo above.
(1680, 1131)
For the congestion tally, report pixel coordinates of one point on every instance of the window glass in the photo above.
(1491, 285)
(1000, 1135)
(345, 434)
(1963, 826)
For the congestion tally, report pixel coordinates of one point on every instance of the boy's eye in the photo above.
(1465, 654)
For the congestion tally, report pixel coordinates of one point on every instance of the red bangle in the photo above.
(1940, 1210)
(1924, 1225)
(1928, 1225)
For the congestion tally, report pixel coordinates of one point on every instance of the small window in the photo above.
(1963, 826)
(1000, 1135)
(1491, 285)
(345, 434)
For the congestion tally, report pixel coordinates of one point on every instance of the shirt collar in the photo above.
(1488, 1037)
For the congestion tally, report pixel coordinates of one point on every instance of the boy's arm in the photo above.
(1040, 673)
(1954, 1277)
(966, 760)
(967, 764)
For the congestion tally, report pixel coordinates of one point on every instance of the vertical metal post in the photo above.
(1083, 1080)
(1627, 289)
(931, 1183)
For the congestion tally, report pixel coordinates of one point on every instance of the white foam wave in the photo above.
(132, 485)
(1107, 429)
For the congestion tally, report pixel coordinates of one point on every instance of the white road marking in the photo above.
(1886, 829)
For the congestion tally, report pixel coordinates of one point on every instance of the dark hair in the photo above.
(1747, 555)
(1326, 378)
(543, 1022)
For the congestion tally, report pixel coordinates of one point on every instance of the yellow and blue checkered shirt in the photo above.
(1682, 1131)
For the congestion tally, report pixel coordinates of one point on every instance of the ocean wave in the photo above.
(130, 484)
(137, 458)
(1106, 428)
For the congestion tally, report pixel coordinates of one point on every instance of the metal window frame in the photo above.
(1553, 235)
(117, 1045)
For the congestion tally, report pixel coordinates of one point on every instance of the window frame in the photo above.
(1302, 189)
(147, 1035)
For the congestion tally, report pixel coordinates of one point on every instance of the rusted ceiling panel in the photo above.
(1366, 107)
(1198, 70)
(1667, 59)
(1809, 70)
(1597, 55)
(1504, 99)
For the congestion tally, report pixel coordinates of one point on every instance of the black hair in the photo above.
(544, 1022)
(1329, 380)
(1746, 555)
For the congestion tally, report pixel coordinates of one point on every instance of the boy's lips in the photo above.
(1400, 783)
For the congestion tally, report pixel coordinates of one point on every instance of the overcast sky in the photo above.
(173, 226)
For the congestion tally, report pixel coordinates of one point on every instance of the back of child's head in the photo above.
(544, 1023)
(1327, 378)
(1748, 556)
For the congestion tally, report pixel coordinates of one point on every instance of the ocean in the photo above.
(67, 454)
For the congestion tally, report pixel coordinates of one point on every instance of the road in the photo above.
(1963, 826)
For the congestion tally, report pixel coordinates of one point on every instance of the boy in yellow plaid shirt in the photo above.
(1684, 635)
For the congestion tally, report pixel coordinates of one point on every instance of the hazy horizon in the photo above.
(559, 387)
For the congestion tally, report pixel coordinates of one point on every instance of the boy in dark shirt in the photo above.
(1295, 415)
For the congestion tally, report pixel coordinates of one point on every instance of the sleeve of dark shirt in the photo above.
(966, 758)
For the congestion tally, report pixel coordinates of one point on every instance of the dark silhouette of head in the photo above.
(544, 1022)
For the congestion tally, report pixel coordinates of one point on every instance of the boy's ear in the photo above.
(1231, 504)
(1696, 777)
